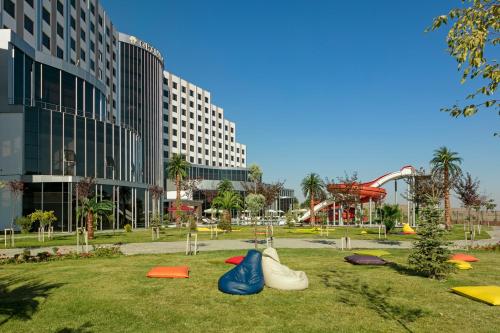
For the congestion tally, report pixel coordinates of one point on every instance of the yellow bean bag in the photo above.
(408, 229)
(364, 232)
(376, 253)
(487, 294)
(305, 231)
(460, 264)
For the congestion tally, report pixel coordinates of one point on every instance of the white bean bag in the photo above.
(279, 276)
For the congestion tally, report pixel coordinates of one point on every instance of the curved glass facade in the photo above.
(141, 108)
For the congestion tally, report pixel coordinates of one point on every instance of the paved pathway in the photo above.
(234, 244)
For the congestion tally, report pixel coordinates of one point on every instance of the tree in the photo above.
(84, 189)
(255, 175)
(446, 163)
(467, 190)
(422, 187)
(225, 185)
(269, 191)
(156, 193)
(25, 223)
(389, 215)
(430, 254)
(91, 209)
(177, 170)
(346, 191)
(474, 32)
(312, 186)
(227, 201)
(255, 203)
(16, 188)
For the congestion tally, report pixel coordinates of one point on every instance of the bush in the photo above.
(24, 223)
(105, 251)
(430, 254)
(388, 215)
(127, 227)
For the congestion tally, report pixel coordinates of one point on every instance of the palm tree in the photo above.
(177, 170)
(227, 201)
(91, 209)
(225, 185)
(312, 186)
(446, 163)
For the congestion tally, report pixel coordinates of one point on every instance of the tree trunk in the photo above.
(177, 200)
(447, 199)
(311, 208)
(90, 225)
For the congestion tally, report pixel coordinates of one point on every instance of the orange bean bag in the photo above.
(235, 260)
(169, 272)
(464, 257)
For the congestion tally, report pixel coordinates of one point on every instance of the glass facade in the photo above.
(67, 134)
(210, 173)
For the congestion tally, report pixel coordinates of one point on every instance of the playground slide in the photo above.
(370, 189)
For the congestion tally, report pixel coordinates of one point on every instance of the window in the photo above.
(183, 146)
(46, 15)
(174, 132)
(199, 96)
(183, 135)
(191, 93)
(183, 112)
(82, 35)
(46, 41)
(174, 97)
(60, 7)
(10, 8)
(72, 44)
(92, 27)
(183, 123)
(72, 22)
(174, 120)
(100, 20)
(60, 30)
(206, 100)
(60, 53)
(183, 100)
(82, 54)
(191, 159)
(92, 8)
(82, 15)
(191, 115)
(28, 24)
(165, 117)
(183, 89)
(174, 84)
(191, 148)
(72, 3)
(191, 104)
(30, 2)
(92, 46)
(174, 144)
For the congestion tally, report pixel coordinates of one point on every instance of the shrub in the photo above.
(388, 215)
(127, 227)
(225, 224)
(105, 251)
(24, 223)
(430, 253)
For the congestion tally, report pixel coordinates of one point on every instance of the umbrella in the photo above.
(210, 211)
(301, 210)
(182, 208)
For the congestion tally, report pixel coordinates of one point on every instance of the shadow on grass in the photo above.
(20, 299)
(85, 328)
(354, 292)
(403, 269)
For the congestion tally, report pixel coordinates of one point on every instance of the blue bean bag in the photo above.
(246, 278)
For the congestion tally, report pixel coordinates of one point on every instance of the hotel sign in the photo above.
(137, 42)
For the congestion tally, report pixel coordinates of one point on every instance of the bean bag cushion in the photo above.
(169, 272)
(408, 232)
(377, 253)
(464, 257)
(279, 276)
(486, 294)
(235, 260)
(407, 229)
(460, 264)
(364, 232)
(246, 278)
(365, 260)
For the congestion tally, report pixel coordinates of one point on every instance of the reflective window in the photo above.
(80, 146)
(57, 144)
(90, 141)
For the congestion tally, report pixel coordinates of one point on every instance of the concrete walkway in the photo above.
(236, 244)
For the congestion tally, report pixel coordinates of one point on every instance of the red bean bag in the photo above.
(464, 257)
(408, 232)
(169, 272)
(235, 260)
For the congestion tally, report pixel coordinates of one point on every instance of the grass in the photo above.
(173, 234)
(113, 295)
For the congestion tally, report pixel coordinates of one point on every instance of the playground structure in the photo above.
(369, 192)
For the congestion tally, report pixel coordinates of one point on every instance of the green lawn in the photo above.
(113, 295)
(173, 234)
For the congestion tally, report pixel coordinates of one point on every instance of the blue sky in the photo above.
(323, 86)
